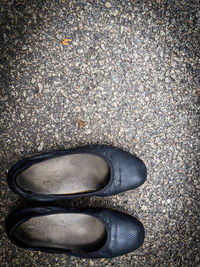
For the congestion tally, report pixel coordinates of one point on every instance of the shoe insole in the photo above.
(71, 231)
(69, 174)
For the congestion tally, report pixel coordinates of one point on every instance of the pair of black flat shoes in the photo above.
(97, 170)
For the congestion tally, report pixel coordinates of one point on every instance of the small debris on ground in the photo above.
(66, 41)
(107, 4)
(81, 124)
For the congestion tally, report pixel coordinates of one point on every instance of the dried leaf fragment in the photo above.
(81, 124)
(66, 41)
(107, 4)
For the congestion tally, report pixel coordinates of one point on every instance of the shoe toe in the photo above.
(130, 234)
(131, 171)
(137, 171)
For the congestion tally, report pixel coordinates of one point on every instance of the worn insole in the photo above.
(70, 231)
(69, 174)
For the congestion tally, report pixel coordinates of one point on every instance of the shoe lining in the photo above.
(69, 174)
(72, 232)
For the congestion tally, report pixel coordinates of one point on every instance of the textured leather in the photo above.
(126, 171)
(124, 232)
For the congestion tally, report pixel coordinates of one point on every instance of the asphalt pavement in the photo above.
(124, 73)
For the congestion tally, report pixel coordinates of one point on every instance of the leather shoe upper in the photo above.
(126, 172)
(124, 232)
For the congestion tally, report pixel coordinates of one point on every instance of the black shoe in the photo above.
(88, 233)
(97, 170)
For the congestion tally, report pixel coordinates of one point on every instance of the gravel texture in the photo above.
(129, 77)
